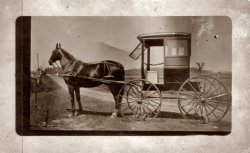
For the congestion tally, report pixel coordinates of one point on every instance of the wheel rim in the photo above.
(140, 100)
(203, 100)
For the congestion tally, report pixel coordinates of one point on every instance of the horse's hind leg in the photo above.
(71, 92)
(78, 98)
(115, 88)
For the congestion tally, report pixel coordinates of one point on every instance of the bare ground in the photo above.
(54, 109)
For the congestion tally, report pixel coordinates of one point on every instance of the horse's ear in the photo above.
(57, 46)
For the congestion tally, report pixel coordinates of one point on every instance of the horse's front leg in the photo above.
(78, 98)
(71, 92)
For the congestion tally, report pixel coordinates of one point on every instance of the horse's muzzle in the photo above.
(50, 62)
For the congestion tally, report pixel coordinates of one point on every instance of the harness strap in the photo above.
(79, 69)
(106, 69)
(103, 80)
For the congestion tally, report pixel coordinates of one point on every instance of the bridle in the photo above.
(55, 67)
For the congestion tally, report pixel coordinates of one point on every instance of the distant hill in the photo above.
(193, 71)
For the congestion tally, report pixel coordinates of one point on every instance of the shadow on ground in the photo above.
(162, 114)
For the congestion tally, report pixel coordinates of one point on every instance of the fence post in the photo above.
(36, 94)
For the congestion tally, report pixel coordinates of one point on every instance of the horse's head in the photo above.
(56, 55)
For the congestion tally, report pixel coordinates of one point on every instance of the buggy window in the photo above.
(136, 53)
(176, 48)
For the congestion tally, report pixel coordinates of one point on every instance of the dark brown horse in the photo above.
(83, 72)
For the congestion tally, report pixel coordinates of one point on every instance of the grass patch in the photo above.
(46, 85)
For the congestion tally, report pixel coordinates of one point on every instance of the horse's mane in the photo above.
(68, 55)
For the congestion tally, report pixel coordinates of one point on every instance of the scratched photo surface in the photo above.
(11, 141)
(86, 71)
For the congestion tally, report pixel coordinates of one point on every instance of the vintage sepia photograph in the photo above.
(124, 75)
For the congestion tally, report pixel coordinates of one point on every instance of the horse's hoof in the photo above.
(114, 115)
(76, 113)
(71, 115)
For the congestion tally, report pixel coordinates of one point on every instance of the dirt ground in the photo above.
(54, 109)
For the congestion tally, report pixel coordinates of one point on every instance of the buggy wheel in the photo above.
(140, 99)
(203, 100)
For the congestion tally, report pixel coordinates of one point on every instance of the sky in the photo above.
(93, 39)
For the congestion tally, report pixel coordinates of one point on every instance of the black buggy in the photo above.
(201, 99)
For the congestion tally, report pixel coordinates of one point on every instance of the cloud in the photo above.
(202, 26)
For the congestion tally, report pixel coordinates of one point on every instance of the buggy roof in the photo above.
(163, 34)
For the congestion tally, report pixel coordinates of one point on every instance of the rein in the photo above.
(106, 68)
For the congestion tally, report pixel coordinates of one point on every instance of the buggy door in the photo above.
(152, 56)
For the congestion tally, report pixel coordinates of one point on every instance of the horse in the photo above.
(81, 74)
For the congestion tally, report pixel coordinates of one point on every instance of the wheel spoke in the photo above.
(204, 89)
(201, 108)
(128, 94)
(189, 95)
(190, 102)
(216, 89)
(212, 111)
(149, 95)
(215, 107)
(132, 94)
(156, 102)
(149, 109)
(197, 108)
(132, 105)
(135, 94)
(129, 98)
(192, 87)
(219, 102)
(220, 95)
(136, 112)
(186, 93)
(191, 108)
(151, 104)
(183, 99)
(143, 110)
(210, 86)
(207, 114)
(145, 93)
(140, 111)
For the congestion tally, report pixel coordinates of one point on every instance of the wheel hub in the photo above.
(139, 102)
(203, 99)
